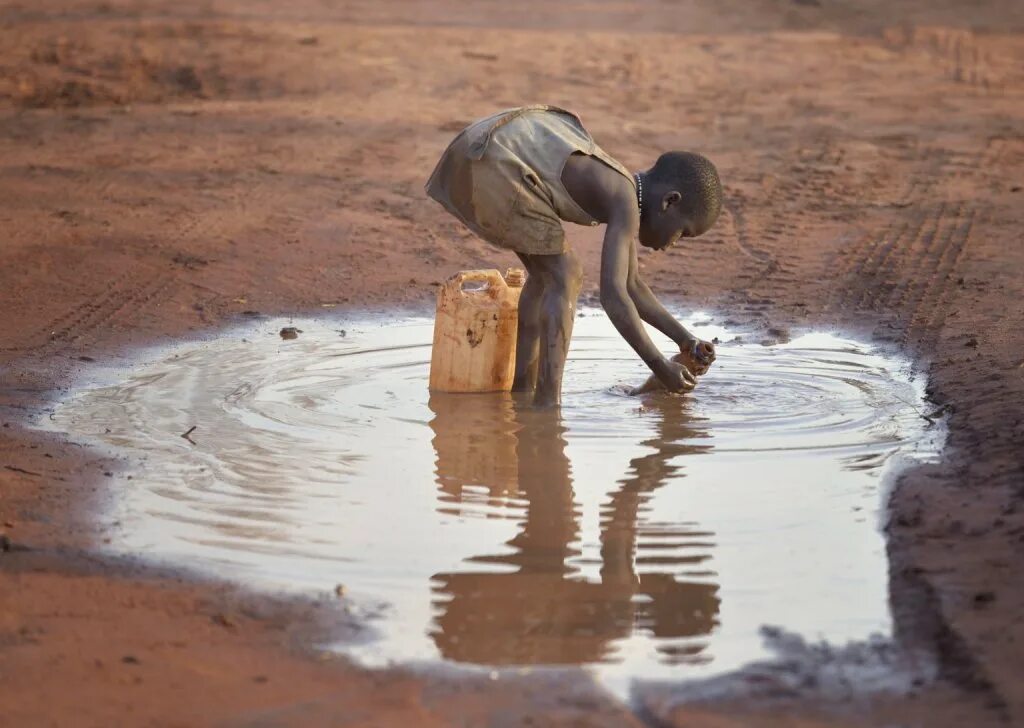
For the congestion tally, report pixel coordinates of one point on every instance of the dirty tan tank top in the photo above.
(502, 176)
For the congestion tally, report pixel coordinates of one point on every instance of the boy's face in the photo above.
(668, 225)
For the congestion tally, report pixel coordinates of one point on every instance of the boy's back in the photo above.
(502, 176)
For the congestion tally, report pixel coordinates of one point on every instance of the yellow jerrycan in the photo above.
(475, 332)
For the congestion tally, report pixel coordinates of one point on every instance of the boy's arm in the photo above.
(616, 255)
(699, 354)
(651, 310)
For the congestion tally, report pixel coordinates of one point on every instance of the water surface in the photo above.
(644, 537)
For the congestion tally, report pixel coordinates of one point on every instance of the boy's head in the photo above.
(682, 197)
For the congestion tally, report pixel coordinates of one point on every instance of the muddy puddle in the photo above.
(644, 538)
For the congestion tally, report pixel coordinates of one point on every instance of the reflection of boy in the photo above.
(512, 178)
(530, 604)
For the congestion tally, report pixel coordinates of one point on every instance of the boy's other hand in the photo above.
(696, 356)
(675, 376)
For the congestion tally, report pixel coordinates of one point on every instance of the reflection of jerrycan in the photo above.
(475, 443)
(475, 332)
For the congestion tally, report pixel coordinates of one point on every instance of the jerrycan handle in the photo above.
(493, 278)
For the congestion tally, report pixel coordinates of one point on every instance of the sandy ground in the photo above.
(168, 166)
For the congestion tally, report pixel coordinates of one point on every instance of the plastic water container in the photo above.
(475, 332)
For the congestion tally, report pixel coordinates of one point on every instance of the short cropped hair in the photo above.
(696, 178)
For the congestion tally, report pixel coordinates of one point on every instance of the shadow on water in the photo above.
(543, 611)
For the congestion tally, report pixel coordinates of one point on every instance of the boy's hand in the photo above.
(696, 355)
(674, 376)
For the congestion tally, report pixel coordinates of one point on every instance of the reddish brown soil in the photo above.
(169, 165)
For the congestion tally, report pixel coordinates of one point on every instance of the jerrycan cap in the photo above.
(515, 277)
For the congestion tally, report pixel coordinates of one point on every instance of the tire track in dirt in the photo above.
(909, 268)
(788, 207)
(67, 320)
(126, 296)
(131, 293)
(122, 302)
(931, 308)
(876, 260)
(761, 264)
(901, 246)
(762, 258)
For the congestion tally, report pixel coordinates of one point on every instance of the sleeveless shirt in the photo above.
(502, 177)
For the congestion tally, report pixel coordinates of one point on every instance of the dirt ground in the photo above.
(166, 167)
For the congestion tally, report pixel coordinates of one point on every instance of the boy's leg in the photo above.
(528, 335)
(562, 279)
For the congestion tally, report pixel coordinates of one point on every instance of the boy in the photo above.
(512, 178)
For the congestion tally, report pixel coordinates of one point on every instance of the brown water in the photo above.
(643, 537)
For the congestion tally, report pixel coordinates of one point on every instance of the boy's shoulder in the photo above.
(503, 117)
(480, 133)
(600, 184)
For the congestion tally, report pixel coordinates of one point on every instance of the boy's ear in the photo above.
(672, 198)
